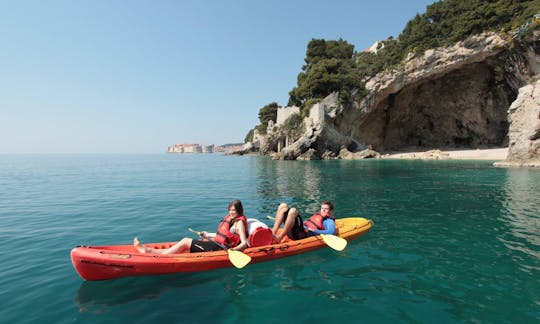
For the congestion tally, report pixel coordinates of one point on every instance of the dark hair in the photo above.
(329, 203)
(237, 205)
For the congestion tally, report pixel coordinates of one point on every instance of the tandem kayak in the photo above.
(116, 261)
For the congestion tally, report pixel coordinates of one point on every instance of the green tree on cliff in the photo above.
(447, 22)
(332, 65)
(329, 67)
(268, 112)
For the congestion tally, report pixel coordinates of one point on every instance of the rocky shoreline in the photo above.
(481, 93)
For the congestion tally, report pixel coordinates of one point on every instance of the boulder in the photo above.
(310, 154)
(524, 132)
(345, 154)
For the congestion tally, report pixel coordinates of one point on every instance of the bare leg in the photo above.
(182, 246)
(280, 214)
(289, 222)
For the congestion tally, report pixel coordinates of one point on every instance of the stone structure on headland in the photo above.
(190, 148)
(199, 148)
(462, 96)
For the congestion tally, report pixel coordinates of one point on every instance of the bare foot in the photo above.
(140, 247)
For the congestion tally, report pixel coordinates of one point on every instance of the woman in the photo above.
(231, 233)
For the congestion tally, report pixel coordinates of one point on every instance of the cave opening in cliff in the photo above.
(466, 108)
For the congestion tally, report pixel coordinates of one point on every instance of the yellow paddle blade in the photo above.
(238, 259)
(335, 242)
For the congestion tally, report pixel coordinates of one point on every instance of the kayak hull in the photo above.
(116, 261)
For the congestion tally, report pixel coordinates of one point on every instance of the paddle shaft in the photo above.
(217, 243)
(238, 258)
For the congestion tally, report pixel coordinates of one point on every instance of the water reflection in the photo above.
(282, 273)
(298, 183)
(522, 212)
(228, 290)
(122, 291)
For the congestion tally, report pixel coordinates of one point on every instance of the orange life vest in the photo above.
(223, 233)
(316, 221)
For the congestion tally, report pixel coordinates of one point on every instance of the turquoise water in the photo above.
(453, 242)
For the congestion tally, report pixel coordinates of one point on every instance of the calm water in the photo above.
(452, 241)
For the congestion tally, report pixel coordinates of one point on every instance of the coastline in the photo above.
(496, 154)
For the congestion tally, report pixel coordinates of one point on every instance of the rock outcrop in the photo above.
(524, 133)
(345, 154)
(453, 97)
(448, 97)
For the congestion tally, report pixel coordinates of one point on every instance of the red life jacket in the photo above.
(316, 221)
(223, 233)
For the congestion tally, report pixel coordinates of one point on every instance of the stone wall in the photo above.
(283, 113)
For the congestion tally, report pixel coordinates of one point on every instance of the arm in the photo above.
(329, 227)
(241, 230)
(207, 235)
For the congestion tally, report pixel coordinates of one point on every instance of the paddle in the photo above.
(238, 259)
(335, 242)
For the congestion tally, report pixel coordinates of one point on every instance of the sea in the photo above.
(452, 241)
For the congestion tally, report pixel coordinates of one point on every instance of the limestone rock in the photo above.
(328, 155)
(299, 147)
(524, 132)
(246, 149)
(345, 154)
(308, 155)
(451, 97)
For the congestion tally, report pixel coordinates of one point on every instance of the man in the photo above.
(322, 222)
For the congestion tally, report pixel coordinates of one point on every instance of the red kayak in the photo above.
(116, 261)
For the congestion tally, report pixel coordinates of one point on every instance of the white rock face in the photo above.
(452, 97)
(524, 132)
(434, 63)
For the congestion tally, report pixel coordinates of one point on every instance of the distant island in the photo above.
(201, 148)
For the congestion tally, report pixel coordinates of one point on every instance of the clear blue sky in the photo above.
(107, 76)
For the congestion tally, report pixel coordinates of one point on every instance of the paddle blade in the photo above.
(238, 259)
(335, 242)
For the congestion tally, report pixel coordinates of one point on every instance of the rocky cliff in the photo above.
(524, 134)
(453, 97)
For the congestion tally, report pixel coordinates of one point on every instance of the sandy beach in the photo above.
(497, 154)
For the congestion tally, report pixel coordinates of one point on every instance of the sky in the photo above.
(119, 76)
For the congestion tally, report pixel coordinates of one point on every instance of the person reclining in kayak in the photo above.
(322, 222)
(231, 233)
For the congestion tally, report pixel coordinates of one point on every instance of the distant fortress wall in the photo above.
(190, 148)
(198, 148)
